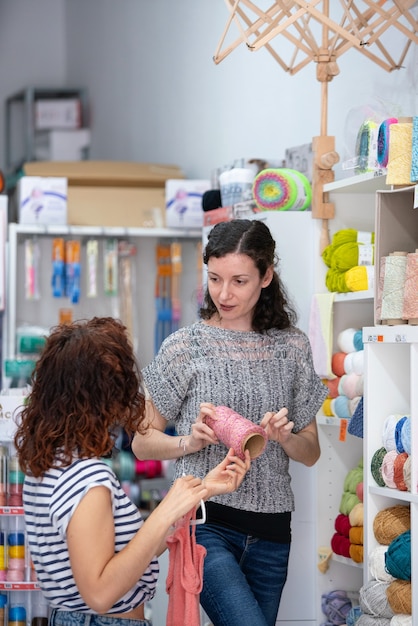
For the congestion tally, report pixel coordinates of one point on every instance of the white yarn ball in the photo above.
(377, 564)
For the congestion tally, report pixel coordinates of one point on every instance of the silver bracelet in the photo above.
(182, 443)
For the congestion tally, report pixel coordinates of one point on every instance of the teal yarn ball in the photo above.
(376, 466)
(398, 556)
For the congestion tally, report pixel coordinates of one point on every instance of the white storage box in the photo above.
(42, 200)
(184, 202)
(57, 113)
(62, 145)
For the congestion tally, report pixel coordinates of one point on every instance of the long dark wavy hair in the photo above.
(86, 385)
(253, 238)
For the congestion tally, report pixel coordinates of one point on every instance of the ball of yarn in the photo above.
(356, 535)
(351, 385)
(401, 620)
(356, 516)
(342, 524)
(335, 606)
(281, 189)
(337, 363)
(356, 552)
(332, 386)
(349, 338)
(353, 615)
(354, 362)
(391, 522)
(398, 433)
(377, 564)
(376, 466)
(398, 471)
(398, 556)
(406, 435)
(340, 545)
(399, 594)
(352, 406)
(345, 235)
(327, 407)
(372, 620)
(359, 277)
(373, 599)
(407, 473)
(359, 491)
(348, 502)
(387, 469)
(340, 406)
(389, 426)
(351, 254)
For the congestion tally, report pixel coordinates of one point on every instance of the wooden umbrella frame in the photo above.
(360, 27)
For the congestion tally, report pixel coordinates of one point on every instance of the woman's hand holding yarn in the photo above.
(277, 425)
(202, 435)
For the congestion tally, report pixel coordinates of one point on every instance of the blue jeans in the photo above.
(243, 577)
(78, 618)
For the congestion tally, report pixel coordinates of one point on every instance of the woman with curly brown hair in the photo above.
(95, 557)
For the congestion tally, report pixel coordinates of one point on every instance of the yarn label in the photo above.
(366, 254)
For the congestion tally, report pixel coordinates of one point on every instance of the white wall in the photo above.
(156, 94)
(32, 49)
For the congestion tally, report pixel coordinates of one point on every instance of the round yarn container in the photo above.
(398, 556)
(391, 522)
(373, 599)
(237, 432)
(399, 594)
(281, 189)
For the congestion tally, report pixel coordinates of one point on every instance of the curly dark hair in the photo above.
(253, 238)
(86, 385)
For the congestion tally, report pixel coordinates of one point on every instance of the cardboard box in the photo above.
(111, 193)
(57, 113)
(62, 145)
(42, 200)
(184, 202)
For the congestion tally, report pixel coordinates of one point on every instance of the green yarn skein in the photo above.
(347, 256)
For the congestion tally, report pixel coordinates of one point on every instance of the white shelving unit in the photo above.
(355, 207)
(391, 357)
(44, 311)
(391, 371)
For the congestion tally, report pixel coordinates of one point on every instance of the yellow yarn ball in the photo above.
(357, 278)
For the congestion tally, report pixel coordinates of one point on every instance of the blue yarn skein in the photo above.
(398, 556)
(406, 435)
(398, 432)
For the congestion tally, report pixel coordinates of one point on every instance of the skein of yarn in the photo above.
(335, 606)
(373, 599)
(398, 556)
(391, 522)
(237, 432)
(377, 564)
(399, 594)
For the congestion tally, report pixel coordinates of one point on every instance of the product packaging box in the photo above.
(57, 113)
(62, 145)
(184, 202)
(42, 200)
(112, 193)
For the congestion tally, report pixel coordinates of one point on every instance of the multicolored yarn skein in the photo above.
(282, 189)
(236, 431)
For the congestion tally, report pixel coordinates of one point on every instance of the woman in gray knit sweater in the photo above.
(247, 354)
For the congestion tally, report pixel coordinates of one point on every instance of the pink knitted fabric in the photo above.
(185, 574)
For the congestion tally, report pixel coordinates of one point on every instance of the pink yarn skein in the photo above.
(238, 432)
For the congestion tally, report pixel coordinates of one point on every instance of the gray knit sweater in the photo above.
(251, 373)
